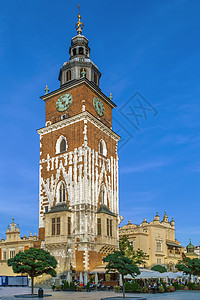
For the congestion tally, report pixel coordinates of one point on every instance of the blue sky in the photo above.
(141, 46)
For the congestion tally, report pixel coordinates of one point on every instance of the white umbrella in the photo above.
(68, 277)
(120, 280)
(170, 275)
(145, 274)
(96, 278)
(175, 275)
(81, 278)
(85, 278)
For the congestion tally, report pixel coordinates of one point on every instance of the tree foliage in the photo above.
(189, 266)
(117, 261)
(138, 256)
(33, 262)
(159, 268)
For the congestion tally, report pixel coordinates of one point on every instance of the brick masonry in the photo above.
(83, 170)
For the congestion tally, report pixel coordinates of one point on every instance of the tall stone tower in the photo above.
(79, 192)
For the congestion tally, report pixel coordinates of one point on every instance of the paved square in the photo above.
(9, 292)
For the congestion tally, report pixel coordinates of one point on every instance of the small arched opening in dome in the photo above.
(68, 75)
(74, 51)
(80, 50)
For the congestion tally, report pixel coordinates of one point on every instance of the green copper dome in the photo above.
(190, 247)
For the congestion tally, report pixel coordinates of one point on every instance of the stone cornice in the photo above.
(69, 85)
(77, 118)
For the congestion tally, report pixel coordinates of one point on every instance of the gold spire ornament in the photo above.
(46, 90)
(79, 25)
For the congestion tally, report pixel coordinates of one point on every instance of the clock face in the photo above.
(98, 106)
(64, 102)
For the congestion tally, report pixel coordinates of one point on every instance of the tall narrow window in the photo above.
(102, 148)
(69, 226)
(108, 227)
(58, 226)
(63, 145)
(12, 253)
(68, 75)
(159, 247)
(103, 195)
(74, 51)
(53, 226)
(159, 261)
(99, 226)
(62, 192)
(95, 78)
(4, 255)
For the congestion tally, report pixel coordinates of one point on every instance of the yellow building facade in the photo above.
(12, 245)
(156, 239)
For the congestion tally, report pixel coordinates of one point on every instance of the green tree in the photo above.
(159, 268)
(189, 266)
(33, 262)
(138, 256)
(117, 261)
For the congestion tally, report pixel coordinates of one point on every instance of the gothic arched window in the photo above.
(69, 74)
(102, 148)
(62, 192)
(103, 196)
(63, 145)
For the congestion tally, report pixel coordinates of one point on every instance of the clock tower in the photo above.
(79, 191)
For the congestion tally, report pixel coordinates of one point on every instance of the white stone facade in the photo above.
(83, 171)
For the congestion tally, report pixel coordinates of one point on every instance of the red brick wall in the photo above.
(95, 135)
(79, 93)
(79, 261)
(41, 233)
(95, 259)
(73, 134)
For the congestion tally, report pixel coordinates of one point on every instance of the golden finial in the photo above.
(110, 97)
(79, 25)
(46, 90)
